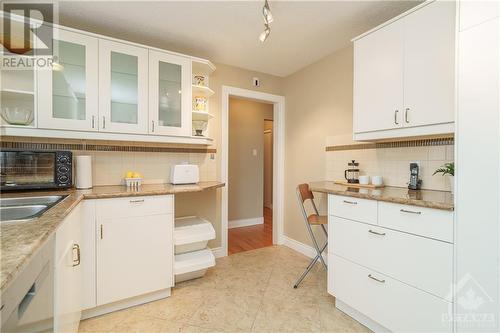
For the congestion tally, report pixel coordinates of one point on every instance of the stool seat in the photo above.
(317, 219)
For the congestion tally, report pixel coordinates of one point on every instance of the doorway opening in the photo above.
(250, 171)
(278, 117)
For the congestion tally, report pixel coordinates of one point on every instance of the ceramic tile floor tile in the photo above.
(245, 292)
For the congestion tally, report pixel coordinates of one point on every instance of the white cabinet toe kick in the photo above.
(391, 265)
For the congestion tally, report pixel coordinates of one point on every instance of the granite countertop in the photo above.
(422, 198)
(21, 240)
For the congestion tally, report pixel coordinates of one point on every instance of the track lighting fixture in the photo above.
(268, 18)
(263, 36)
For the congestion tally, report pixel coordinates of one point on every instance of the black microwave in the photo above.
(33, 170)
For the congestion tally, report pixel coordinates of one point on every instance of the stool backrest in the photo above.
(304, 192)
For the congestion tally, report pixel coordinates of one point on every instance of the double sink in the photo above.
(26, 208)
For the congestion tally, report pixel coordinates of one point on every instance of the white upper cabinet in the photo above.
(123, 88)
(404, 75)
(378, 79)
(169, 94)
(67, 94)
(429, 65)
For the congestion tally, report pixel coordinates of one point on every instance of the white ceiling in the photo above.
(227, 31)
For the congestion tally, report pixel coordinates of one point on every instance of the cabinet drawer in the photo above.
(393, 304)
(433, 223)
(353, 208)
(134, 206)
(421, 262)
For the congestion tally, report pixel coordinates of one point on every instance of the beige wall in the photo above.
(318, 104)
(246, 171)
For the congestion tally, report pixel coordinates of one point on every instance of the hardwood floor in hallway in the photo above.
(253, 237)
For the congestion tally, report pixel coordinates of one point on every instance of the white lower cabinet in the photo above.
(134, 257)
(68, 275)
(134, 248)
(389, 302)
(389, 266)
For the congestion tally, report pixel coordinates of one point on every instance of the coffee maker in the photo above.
(415, 183)
(352, 173)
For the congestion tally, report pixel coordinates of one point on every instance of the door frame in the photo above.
(278, 158)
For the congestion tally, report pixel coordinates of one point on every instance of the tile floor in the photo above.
(246, 292)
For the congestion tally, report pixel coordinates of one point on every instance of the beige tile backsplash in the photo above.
(394, 164)
(109, 168)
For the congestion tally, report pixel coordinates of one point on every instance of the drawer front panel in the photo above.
(433, 223)
(353, 208)
(421, 262)
(392, 304)
(134, 206)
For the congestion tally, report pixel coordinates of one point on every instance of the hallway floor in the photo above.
(246, 292)
(252, 237)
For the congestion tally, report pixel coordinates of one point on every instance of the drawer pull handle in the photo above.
(376, 233)
(410, 212)
(374, 278)
(137, 201)
(350, 202)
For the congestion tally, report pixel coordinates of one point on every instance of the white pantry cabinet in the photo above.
(123, 87)
(135, 248)
(67, 94)
(69, 272)
(404, 75)
(169, 94)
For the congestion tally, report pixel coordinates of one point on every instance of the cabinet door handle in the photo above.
(376, 232)
(350, 202)
(78, 257)
(406, 115)
(137, 201)
(93, 121)
(374, 278)
(102, 232)
(410, 211)
(103, 122)
(152, 126)
(396, 117)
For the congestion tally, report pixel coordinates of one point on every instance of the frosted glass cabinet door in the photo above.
(169, 94)
(123, 84)
(68, 93)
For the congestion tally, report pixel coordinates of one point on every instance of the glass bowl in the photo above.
(17, 116)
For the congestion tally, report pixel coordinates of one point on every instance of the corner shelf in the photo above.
(202, 91)
(202, 115)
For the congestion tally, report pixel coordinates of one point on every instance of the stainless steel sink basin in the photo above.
(43, 200)
(21, 212)
(24, 208)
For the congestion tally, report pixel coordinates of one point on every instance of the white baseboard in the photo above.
(245, 222)
(127, 303)
(218, 252)
(359, 317)
(306, 250)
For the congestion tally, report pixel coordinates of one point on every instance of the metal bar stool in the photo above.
(304, 193)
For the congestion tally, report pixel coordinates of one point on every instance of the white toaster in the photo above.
(184, 174)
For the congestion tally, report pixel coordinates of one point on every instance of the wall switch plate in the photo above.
(254, 152)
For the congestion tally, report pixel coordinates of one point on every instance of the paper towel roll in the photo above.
(83, 172)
